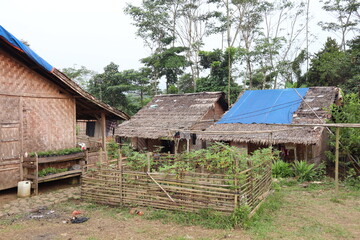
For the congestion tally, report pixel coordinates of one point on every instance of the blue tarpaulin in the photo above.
(13, 41)
(265, 106)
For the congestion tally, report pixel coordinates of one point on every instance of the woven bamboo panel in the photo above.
(48, 124)
(16, 78)
(9, 108)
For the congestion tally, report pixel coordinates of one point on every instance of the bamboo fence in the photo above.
(188, 191)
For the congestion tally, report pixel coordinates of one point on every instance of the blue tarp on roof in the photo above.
(13, 41)
(265, 106)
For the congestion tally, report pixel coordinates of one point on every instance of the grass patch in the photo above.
(205, 217)
(262, 222)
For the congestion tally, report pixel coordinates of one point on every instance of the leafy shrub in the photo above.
(281, 169)
(304, 171)
(352, 179)
(112, 149)
(136, 161)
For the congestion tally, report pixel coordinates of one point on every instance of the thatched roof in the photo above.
(311, 110)
(87, 106)
(168, 112)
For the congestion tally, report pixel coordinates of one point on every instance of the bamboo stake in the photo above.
(148, 155)
(337, 160)
(160, 186)
(121, 175)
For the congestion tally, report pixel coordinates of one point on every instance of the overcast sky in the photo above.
(91, 33)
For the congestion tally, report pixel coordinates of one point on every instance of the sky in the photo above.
(91, 33)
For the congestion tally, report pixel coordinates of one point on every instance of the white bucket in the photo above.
(24, 189)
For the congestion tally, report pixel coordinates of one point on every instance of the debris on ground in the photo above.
(79, 219)
(136, 211)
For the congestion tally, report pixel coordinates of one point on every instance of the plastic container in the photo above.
(24, 189)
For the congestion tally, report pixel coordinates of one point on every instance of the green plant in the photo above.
(51, 170)
(112, 149)
(352, 179)
(304, 171)
(60, 152)
(281, 169)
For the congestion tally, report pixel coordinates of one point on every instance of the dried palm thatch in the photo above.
(173, 111)
(311, 110)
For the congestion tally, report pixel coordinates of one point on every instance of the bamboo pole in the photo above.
(160, 187)
(148, 155)
(337, 160)
(120, 166)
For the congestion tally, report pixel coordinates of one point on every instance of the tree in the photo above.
(347, 17)
(168, 63)
(218, 63)
(329, 67)
(109, 87)
(349, 112)
(80, 75)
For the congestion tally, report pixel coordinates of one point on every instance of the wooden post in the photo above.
(251, 182)
(36, 175)
(119, 159)
(148, 161)
(236, 200)
(337, 160)
(101, 157)
(103, 133)
(187, 145)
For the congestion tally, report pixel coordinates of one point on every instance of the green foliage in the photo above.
(51, 170)
(349, 112)
(218, 63)
(136, 161)
(281, 169)
(124, 90)
(80, 75)
(304, 171)
(57, 152)
(333, 66)
(169, 63)
(112, 149)
(352, 179)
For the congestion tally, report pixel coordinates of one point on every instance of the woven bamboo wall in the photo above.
(35, 115)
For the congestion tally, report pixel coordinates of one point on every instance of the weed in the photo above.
(281, 169)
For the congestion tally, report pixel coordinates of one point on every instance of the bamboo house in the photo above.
(39, 107)
(261, 118)
(162, 121)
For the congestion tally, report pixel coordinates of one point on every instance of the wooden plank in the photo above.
(62, 158)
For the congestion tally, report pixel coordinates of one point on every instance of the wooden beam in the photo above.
(103, 133)
(337, 160)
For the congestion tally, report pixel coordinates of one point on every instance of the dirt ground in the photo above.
(294, 213)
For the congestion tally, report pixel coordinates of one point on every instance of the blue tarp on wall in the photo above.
(265, 106)
(8, 37)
